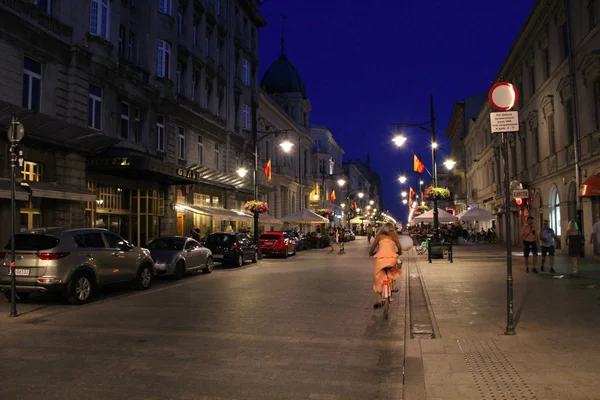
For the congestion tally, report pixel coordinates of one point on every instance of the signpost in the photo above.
(521, 194)
(503, 96)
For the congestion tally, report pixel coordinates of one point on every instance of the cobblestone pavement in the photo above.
(301, 328)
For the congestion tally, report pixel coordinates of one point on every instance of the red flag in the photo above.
(332, 196)
(354, 205)
(418, 165)
(268, 171)
(411, 193)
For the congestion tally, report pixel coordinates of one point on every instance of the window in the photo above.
(533, 86)
(536, 140)
(237, 158)
(44, 5)
(564, 36)
(245, 117)
(207, 95)
(132, 48)
(546, 60)
(32, 172)
(90, 241)
(125, 120)
(121, 40)
(164, 6)
(194, 85)
(160, 133)
(217, 156)
(179, 67)
(181, 142)
(246, 72)
(137, 125)
(569, 121)
(550, 130)
(32, 84)
(597, 102)
(95, 107)
(554, 215)
(207, 43)
(164, 58)
(113, 240)
(100, 18)
(180, 20)
(195, 32)
(200, 150)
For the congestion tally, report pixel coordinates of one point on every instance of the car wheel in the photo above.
(80, 288)
(294, 253)
(255, 257)
(240, 261)
(20, 296)
(179, 270)
(209, 266)
(286, 254)
(144, 277)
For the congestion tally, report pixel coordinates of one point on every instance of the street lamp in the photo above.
(241, 171)
(15, 134)
(371, 202)
(402, 179)
(449, 163)
(286, 146)
(404, 194)
(399, 140)
(341, 182)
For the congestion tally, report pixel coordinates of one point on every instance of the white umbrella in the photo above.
(358, 220)
(476, 214)
(443, 216)
(305, 216)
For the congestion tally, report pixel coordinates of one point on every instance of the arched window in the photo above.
(572, 201)
(554, 205)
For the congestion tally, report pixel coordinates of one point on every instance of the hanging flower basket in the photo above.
(420, 210)
(436, 193)
(256, 207)
(325, 212)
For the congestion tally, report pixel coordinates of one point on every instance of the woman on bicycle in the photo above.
(386, 258)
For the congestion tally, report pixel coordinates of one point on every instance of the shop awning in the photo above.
(267, 219)
(53, 190)
(5, 189)
(590, 187)
(221, 213)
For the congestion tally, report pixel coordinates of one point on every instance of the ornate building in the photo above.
(559, 120)
(135, 116)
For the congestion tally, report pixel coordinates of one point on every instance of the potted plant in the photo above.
(256, 206)
(420, 210)
(436, 193)
(325, 212)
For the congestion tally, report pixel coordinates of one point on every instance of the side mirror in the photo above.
(124, 246)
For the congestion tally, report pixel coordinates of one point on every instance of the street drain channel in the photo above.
(421, 326)
(494, 375)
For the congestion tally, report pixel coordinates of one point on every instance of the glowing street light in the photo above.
(371, 202)
(404, 201)
(434, 145)
(361, 195)
(402, 179)
(399, 140)
(286, 146)
(241, 171)
(449, 163)
(341, 182)
(404, 194)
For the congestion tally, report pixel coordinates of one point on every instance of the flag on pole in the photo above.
(354, 205)
(418, 165)
(332, 196)
(268, 171)
(411, 193)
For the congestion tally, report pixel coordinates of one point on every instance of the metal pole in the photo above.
(575, 113)
(254, 113)
(510, 328)
(323, 186)
(436, 221)
(13, 278)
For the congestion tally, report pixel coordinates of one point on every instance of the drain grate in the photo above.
(495, 377)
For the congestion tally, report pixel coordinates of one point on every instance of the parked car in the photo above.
(232, 248)
(279, 243)
(73, 262)
(176, 255)
(349, 235)
(296, 237)
(314, 240)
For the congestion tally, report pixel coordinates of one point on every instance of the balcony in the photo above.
(30, 13)
(283, 170)
(132, 72)
(198, 109)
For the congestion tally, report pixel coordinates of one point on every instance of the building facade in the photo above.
(135, 116)
(559, 120)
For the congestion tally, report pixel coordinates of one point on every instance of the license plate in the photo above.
(217, 256)
(21, 272)
(269, 243)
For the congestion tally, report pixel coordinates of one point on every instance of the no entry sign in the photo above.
(503, 96)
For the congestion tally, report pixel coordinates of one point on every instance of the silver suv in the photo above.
(73, 262)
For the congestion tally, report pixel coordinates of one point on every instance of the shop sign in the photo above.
(186, 173)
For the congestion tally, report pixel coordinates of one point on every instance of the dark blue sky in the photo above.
(368, 64)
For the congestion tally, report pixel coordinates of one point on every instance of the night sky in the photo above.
(368, 64)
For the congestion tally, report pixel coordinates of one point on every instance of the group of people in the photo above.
(547, 238)
(336, 235)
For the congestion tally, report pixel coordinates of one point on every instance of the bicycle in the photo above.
(386, 294)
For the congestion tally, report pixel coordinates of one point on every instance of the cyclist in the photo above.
(386, 248)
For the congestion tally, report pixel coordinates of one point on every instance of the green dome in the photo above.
(283, 77)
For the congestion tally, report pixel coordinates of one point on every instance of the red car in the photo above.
(279, 243)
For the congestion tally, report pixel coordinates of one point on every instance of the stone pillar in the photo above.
(168, 223)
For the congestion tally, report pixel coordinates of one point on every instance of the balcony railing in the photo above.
(31, 13)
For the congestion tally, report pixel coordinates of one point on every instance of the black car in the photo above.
(232, 248)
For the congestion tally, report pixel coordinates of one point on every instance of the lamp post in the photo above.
(15, 135)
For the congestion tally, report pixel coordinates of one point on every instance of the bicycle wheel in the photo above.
(386, 308)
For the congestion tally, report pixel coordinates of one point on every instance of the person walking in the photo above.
(530, 246)
(331, 238)
(340, 236)
(574, 241)
(547, 240)
(369, 233)
(595, 239)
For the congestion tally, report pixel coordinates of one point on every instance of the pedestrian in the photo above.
(530, 245)
(385, 248)
(195, 233)
(547, 240)
(331, 238)
(341, 239)
(369, 233)
(574, 241)
(595, 239)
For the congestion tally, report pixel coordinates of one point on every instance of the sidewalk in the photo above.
(555, 353)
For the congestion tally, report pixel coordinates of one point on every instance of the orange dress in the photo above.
(386, 257)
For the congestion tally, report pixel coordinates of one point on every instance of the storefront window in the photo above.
(32, 172)
(216, 202)
(554, 214)
(180, 197)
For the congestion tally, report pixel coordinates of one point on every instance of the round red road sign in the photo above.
(503, 96)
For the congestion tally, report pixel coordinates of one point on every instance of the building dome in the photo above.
(283, 77)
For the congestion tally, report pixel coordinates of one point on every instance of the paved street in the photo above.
(301, 328)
